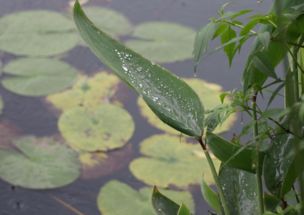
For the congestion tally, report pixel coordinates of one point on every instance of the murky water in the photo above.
(27, 115)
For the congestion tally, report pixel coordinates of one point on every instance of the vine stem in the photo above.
(215, 177)
(258, 164)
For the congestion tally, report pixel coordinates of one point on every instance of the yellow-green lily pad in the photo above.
(38, 76)
(37, 33)
(111, 21)
(163, 42)
(168, 160)
(87, 91)
(117, 198)
(209, 93)
(39, 163)
(96, 129)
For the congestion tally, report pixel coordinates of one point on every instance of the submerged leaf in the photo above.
(167, 161)
(39, 163)
(113, 22)
(98, 129)
(38, 76)
(116, 198)
(170, 98)
(162, 42)
(240, 191)
(87, 91)
(209, 95)
(37, 33)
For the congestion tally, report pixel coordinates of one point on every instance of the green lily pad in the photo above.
(39, 163)
(163, 42)
(116, 198)
(38, 76)
(167, 160)
(98, 129)
(208, 93)
(111, 21)
(37, 33)
(86, 91)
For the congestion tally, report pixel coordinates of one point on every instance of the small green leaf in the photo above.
(231, 154)
(37, 33)
(162, 204)
(100, 128)
(211, 197)
(230, 50)
(113, 22)
(38, 76)
(264, 38)
(240, 191)
(163, 159)
(39, 163)
(170, 98)
(117, 198)
(183, 210)
(162, 42)
(263, 64)
(202, 39)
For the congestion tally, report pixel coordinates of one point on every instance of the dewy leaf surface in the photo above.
(39, 163)
(38, 76)
(37, 33)
(240, 191)
(97, 129)
(87, 91)
(163, 42)
(168, 161)
(173, 101)
(209, 94)
(117, 198)
(113, 22)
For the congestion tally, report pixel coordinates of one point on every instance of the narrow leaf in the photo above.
(227, 36)
(238, 156)
(162, 204)
(262, 63)
(211, 197)
(170, 98)
(183, 210)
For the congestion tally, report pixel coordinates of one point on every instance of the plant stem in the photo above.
(258, 164)
(216, 179)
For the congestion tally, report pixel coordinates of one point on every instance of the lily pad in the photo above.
(111, 21)
(208, 93)
(99, 129)
(116, 198)
(37, 33)
(167, 160)
(87, 92)
(38, 76)
(39, 163)
(163, 42)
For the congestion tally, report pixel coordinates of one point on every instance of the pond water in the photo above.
(43, 112)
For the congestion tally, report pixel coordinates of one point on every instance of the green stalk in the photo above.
(258, 164)
(216, 179)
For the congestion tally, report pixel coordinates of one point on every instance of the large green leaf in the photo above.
(113, 22)
(231, 154)
(87, 91)
(240, 191)
(96, 129)
(170, 98)
(162, 204)
(168, 160)
(162, 42)
(209, 94)
(38, 76)
(37, 33)
(116, 198)
(278, 160)
(39, 163)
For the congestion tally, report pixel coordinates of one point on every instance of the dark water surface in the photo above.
(31, 115)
